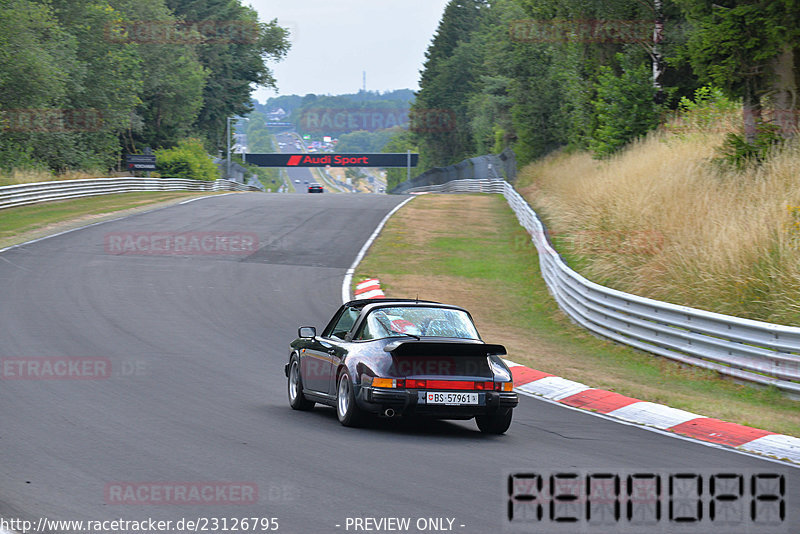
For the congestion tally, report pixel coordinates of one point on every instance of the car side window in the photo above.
(370, 329)
(345, 322)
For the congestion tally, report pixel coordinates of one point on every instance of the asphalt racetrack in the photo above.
(299, 176)
(194, 393)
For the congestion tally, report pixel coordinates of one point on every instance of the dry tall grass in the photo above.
(660, 220)
(27, 176)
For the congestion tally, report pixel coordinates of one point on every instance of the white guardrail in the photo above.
(23, 194)
(744, 349)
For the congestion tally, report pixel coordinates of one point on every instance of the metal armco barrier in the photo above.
(744, 349)
(499, 166)
(462, 186)
(23, 194)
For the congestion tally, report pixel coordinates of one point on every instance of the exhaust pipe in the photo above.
(388, 412)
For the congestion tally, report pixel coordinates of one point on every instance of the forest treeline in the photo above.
(538, 75)
(84, 81)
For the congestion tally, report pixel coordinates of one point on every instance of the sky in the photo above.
(335, 41)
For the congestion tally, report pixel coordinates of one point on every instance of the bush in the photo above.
(187, 160)
(710, 112)
(738, 154)
(710, 105)
(625, 107)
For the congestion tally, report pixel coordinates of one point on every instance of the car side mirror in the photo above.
(307, 332)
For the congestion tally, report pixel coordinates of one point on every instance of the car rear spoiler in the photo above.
(443, 348)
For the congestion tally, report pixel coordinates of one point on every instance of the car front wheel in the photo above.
(297, 400)
(347, 410)
(494, 423)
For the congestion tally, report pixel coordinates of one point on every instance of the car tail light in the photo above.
(413, 383)
(388, 383)
(504, 386)
(383, 383)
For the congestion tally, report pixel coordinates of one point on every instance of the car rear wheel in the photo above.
(494, 423)
(347, 410)
(297, 400)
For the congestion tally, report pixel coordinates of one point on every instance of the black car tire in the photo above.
(347, 410)
(297, 400)
(496, 422)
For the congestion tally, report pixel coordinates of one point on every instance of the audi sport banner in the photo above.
(332, 160)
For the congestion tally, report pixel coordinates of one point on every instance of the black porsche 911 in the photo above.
(400, 357)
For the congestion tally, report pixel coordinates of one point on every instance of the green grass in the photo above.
(20, 223)
(464, 259)
(458, 258)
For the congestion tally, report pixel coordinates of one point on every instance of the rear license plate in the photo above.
(451, 398)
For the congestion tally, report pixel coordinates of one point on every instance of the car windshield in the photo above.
(401, 321)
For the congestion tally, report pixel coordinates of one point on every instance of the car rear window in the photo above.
(423, 321)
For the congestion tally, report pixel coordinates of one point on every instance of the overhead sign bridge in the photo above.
(333, 160)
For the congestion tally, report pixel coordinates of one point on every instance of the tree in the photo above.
(453, 63)
(625, 107)
(748, 48)
(106, 79)
(234, 61)
(36, 58)
(172, 77)
(60, 65)
(489, 115)
(401, 141)
(343, 114)
(79, 80)
(491, 103)
(362, 141)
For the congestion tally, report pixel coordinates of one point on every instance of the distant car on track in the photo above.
(315, 188)
(400, 357)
